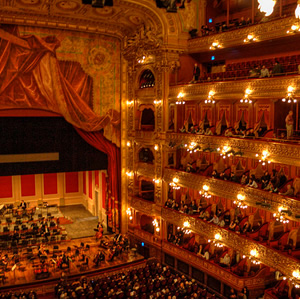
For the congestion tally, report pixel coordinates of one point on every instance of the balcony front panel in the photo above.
(147, 237)
(230, 190)
(244, 245)
(284, 153)
(258, 281)
(144, 206)
(263, 31)
(274, 87)
(147, 170)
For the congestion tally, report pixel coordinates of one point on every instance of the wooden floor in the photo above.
(24, 272)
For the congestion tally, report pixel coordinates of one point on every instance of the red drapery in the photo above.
(97, 140)
(31, 77)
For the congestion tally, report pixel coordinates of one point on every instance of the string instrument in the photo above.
(111, 253)
(59, 262)
(99, 233)
(98, 258)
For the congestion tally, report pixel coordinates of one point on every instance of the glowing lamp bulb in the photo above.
(175, 180)
(180, 95)
(296, 274)
(253, 252)
(217, 236)
(297, 11)
(128, 144)
(205, 188)
(156, 147)
(186, 224)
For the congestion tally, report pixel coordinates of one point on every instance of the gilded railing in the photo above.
(142, 205)
(234, 89)
(230, 190)
(146, 169)
(260, 280)
(263, 31)
(268, 256)
(278, 152)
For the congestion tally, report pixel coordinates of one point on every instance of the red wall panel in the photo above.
(103, 190)
(84, 182)
(90, 184)
(50, 184)
(5, 187)
(72, 182)
(27, 185)
(97, 178)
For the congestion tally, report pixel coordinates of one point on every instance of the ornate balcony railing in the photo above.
(263, 31)
(230, 190)
(258, 281)
(244, 245)
(148, 237)
(285, 153)
(146, 169)
(142, 205)
(262, 88)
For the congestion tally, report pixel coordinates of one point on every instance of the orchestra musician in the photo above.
(112, 253)
(98, 258)
(23, 205)
(99, 233)
(117, 238)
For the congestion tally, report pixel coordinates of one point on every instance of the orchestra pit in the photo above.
(150, 149)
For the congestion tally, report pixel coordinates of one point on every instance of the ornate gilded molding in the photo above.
(268, 256)
(147, 170)
(263, 31)
(142, 205)
(255, 282)
(233, 90)
(230, 190)
(279, 152)
(148, 237)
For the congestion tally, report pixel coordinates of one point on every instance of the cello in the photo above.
(99, 233)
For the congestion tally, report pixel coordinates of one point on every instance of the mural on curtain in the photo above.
(84, 87)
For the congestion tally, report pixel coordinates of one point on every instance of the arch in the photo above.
(146, 155)
(146, 79)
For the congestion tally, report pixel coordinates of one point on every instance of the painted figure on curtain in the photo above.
(76, 77)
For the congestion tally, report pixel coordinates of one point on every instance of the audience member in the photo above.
(277, 69)
(264, 72)
(289, 122)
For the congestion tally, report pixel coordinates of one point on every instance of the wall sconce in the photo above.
(156, 102)
(215, 45)
(156, 180)
(156, 147)
(216, 240)
(156, 226)
(180, 99)
(294, 29)
(225, 151)
(266, 6)
(129, 102)
(141, 60)
(290, 95)
(264, 157)
(210, 98)
(250, 38)
(246, 99)
(193, 147)
(297, 10)
(129, 213)
(128, 144)
(129, 173)
(186, 225)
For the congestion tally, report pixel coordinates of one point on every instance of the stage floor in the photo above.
(24, 273)
(83, 221)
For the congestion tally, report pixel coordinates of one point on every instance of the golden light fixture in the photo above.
(156, 180)
(215, 45)
(129, 102)
(263, 159)
(294, 28)
(141, 60)
(246, 99)
(297, 10)
(253, 252)
(296, 274)
(266, 6)
(174, 182)
(186, 224)
(224, 152)
(156, 102)
(210, 97)
(289, 98)
(250, 38)
(180, 98)
(204, 192)
(156, 147)
(129, 213)
(128, 144)
(239, 202)
(217, 236)
(129, 173)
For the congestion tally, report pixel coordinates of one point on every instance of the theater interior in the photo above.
(150, 149)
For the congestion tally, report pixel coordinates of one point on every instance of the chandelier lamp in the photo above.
(173, 184)
(246, 99)
(289, 98)
(263, 159)
(240, 201)
(215, 45)
(204, 192)
(266, 6)
(210, 98)
(250, 38)
(180, 99)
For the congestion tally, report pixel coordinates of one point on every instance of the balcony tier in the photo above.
(274, 87)
(259, 281)
(230, 190)
(244, 245)
(263, 32)
(285, 153)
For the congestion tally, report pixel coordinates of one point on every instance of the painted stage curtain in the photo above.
(97, 140)
(31, 77)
